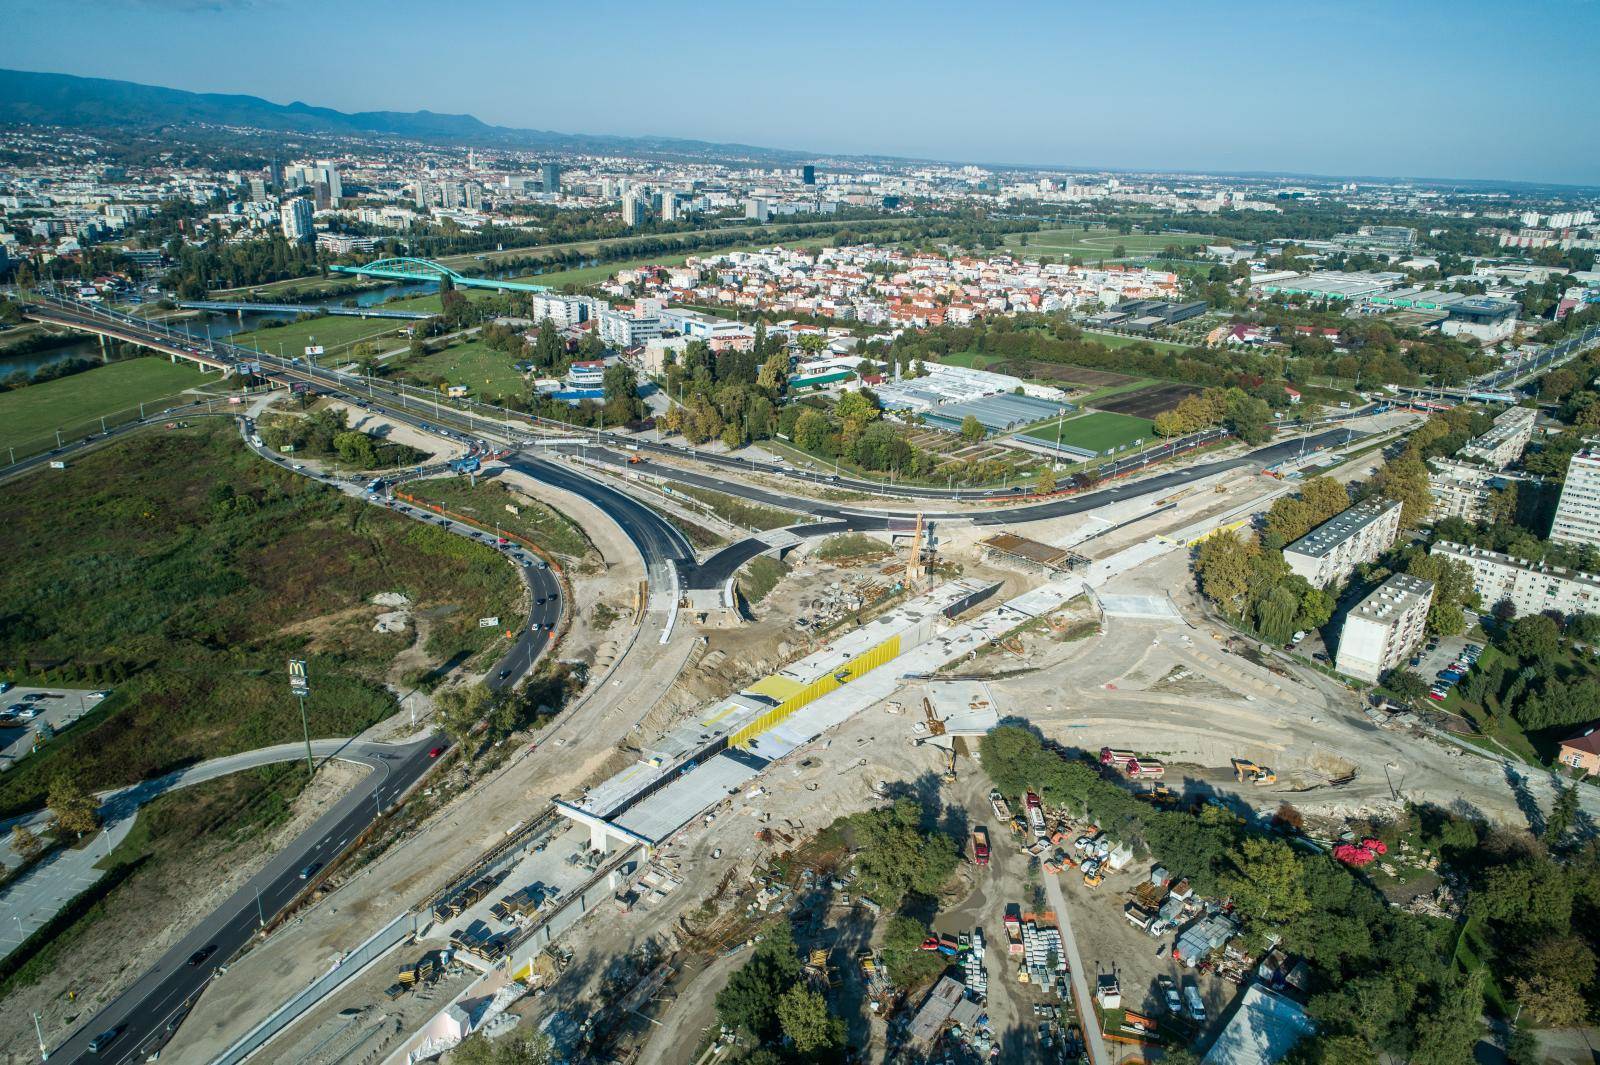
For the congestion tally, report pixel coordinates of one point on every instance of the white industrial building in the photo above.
(1531, 587)
(1331, 552)
(1577, 519)
(1384, 628)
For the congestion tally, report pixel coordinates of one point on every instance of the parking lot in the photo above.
(1430, 663)
(28, 714)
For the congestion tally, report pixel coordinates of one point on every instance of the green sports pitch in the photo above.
(1097, 431)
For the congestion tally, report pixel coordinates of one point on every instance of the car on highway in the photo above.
(435, 752)
(504, 673)
(310, 871)
(105, 1039)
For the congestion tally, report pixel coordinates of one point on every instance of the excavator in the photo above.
(1245, 771)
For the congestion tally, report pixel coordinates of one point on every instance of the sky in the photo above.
(1407, 88)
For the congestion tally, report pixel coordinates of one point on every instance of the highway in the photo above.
(149, 1012)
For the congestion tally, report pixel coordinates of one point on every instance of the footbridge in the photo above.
(407, 269)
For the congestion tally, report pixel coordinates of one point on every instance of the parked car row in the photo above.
(1454, 673)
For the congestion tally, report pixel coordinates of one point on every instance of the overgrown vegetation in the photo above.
(740, 512)
(759, 576)
(843, 547)
(183, 571)
(781, 1017)
(487, 503)
(325, 434)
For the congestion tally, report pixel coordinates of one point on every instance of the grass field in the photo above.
(972, 360)
(77, 402)
(181, 571)
(489, 373)
(1096, 243)
(486, 501)
(336, 334)
(1117, 340)
(593, 275)
(1096, 431)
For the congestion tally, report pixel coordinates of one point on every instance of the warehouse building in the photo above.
(1384, 629)
(1531, 587)
(1331, 552)
(1141, 316)
(1334, 286)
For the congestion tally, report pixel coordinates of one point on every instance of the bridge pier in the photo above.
(105, 351)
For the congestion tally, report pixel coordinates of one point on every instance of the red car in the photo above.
(436, 752)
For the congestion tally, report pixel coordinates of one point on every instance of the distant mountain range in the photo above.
(100, 103)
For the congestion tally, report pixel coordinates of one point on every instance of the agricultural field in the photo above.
(75, 404)
(1096, 243)
(180, 570)
(489, 373)
(1098, 431)
(1146, 402)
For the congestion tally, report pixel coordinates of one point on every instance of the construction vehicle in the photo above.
(1002, 809)
(1143, 768)
(1092, 875)
(634, 460)
(980, 845)
(949, 774)
(1013, 923)
(1245, 771)
(1116, 759)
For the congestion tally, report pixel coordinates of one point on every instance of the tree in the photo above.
(1316, 609)
(1267, 882)
(75, 809)
(25, 842)
(811, 431)
(803, 1016)
(515, 1049)
(461, 710)
(1223, 566)
(908, 964)
(896, 857)
(749, 1000)
(774, 375)
(1406, 479)
(1047, 480)
(1406, 684)
(1247, 417)
(548, 349)
(1534, 638)
(1563, 814)
(356, 449)
(972, 429)
(1446, 619)
(1552, 979)
(1448, 1028)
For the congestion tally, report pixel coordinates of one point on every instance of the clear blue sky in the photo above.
(1427, 88)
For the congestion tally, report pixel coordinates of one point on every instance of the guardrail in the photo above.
(345, 969)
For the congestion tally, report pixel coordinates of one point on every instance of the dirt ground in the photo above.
(146, 915)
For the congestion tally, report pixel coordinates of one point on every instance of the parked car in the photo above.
(1438, 695)
(1194, 1005)
(1169, 992)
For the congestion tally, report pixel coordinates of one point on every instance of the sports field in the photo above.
(489, 373)
(1099, 431)
(1097, 243)
(75, 404)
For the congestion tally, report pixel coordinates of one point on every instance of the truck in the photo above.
(1116, 759)
(1002, 809)
(1013, 923)
(980, 845)
(1035, 815)
(1144, 768)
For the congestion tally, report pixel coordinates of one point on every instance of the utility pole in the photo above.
(38, 1029)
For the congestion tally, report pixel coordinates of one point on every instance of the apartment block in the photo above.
(1577, 519)
(1504, 443)
(625, 330)
(564, 311)
(1331, 552)
(1463, 489)
(1384, 628)
(1531, 587)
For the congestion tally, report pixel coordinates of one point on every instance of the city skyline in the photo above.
(1232, 93)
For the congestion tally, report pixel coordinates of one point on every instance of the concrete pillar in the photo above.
(599, 839)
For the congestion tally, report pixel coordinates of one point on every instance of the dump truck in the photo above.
(1002, 809)
(1013, 923)
(980, 845)
(1115, 758)
(1143, 768)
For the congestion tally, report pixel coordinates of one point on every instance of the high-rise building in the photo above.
(295, 218)
(635, 207)
(756, 209)
(550, 177)
(808, 175)
(275, 174)
(1331, 552)
(669, 206)
(327, 172)
(258, 190)
(1577, 518)
(1384, 628)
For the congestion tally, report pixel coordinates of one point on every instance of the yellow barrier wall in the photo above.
(863, 663)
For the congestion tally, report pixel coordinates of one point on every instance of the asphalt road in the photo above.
(148, 1012)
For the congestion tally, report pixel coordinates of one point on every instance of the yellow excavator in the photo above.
(1246, 771)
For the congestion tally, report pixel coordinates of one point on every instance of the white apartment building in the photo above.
(1577, 519)
(564, 311)
(1331, 552)
(625, 330)
(1463, 489)
(1504, 443)
(295, 218)
(1382, 630)
(1531, 587)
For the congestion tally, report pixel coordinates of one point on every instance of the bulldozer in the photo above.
(1245, 771)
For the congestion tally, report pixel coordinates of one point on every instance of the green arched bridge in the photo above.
(406, 269)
